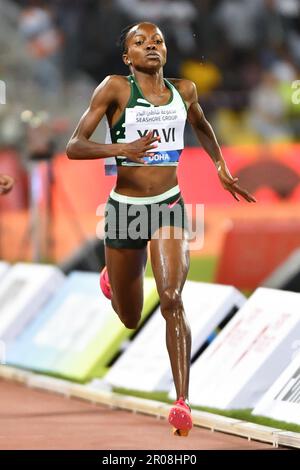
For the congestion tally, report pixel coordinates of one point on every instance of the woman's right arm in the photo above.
(81, 148)
(6, 183)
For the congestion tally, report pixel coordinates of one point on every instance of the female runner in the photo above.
(146, 115)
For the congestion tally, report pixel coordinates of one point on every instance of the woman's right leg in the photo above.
(125, 267)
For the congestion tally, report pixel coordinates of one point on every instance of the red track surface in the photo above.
(34, 419)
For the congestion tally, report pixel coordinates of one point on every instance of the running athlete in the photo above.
(146, 114)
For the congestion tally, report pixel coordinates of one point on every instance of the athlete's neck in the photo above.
(153, 83)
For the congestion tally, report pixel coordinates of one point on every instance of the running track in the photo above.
(35, 419)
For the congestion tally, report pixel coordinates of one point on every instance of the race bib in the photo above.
(165, 122)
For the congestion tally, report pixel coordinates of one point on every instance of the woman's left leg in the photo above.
(170, 263)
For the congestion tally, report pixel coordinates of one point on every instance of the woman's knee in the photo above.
(129, 316)
(130, 322)
(170, 301)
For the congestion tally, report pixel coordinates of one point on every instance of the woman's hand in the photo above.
(6, 184)
(230, 184)
(137, 149)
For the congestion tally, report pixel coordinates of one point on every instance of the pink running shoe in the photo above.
(180, 418)
(104, 283)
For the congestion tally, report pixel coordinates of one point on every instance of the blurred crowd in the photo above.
(243, 55)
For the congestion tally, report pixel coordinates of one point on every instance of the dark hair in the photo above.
(123, 37)
(124, 33)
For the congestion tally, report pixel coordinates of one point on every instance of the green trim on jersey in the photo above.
(169, 85)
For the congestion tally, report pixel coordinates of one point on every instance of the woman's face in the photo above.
(146, 49)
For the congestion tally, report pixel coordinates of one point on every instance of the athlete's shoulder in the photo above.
(110, 89)
(112, 82)
(186, 88)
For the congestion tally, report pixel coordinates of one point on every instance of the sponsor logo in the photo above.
(159, 157)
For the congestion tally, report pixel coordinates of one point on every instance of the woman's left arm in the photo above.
(207, 139)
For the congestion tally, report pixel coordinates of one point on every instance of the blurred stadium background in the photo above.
(244, 57)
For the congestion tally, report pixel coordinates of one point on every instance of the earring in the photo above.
(129, 62)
